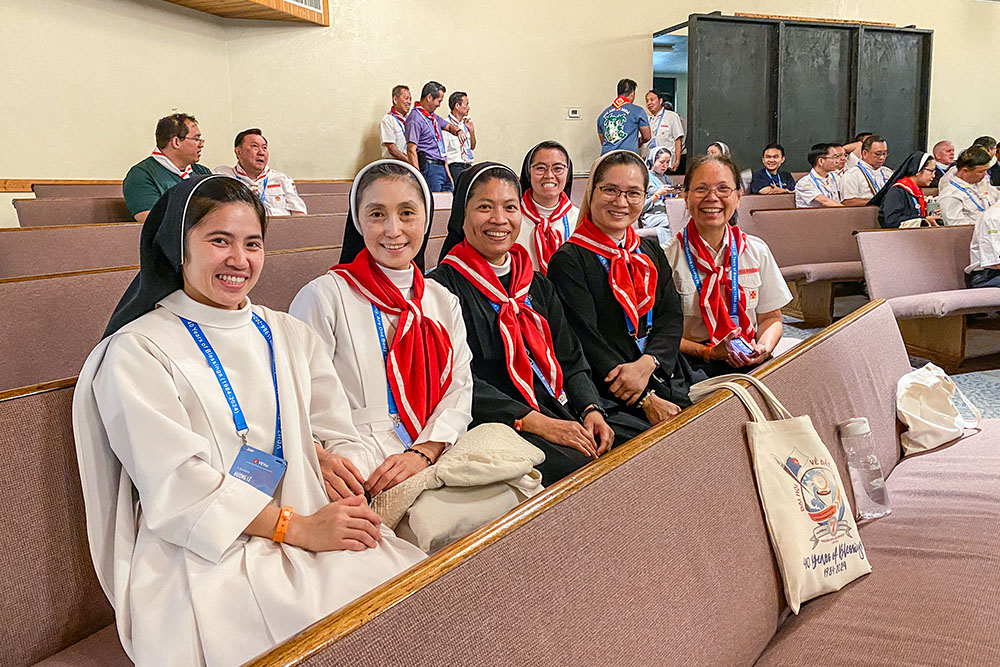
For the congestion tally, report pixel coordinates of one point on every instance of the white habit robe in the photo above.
(344, 320)
(188, 587)
(526, 236)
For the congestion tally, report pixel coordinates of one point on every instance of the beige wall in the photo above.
(319, 92)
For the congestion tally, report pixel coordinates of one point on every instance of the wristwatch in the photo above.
(593, 407)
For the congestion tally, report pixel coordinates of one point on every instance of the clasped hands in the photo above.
(628, 383)
(343, 480)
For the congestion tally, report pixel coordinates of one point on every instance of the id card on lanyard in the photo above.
(779, 184)
(827, 193)
(397, 421)
(734, 276)
(437, 133)
(263, 189)
(639, 342)
(562, 398)
(257, 468)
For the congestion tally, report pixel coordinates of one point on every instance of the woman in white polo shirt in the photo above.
(722, 330)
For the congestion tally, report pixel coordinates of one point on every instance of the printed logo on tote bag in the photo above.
(819, 495)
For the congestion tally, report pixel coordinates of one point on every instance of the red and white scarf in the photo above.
(419, 361)
(170, 166)
(716, 287)
(907, 184)
(619, 102)
(548, 236)
(433, 119)
(398, 116)
(254, 184)
(523, 330)
(631, 274)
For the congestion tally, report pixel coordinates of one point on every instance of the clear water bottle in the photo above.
(871, 498)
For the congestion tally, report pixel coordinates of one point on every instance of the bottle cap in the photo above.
(856, 426)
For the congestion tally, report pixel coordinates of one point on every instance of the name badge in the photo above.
(641, 343)
(259, 469)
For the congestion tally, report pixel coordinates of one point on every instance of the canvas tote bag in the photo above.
(809, 518)
(925, 402)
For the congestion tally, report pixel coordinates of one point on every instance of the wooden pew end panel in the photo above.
(812, 303)
(937, 339)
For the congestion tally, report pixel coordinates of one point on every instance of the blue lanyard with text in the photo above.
(823, 189)
(734, 275)
(397, 422)
(562, 398)
(974, 199)
(227, 389)
(640, 342)
(871, 177)
(659, 122)
(565, 222)
(263, 189)
(779, 184)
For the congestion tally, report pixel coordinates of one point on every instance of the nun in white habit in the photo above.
(398, 342)
(205, 561)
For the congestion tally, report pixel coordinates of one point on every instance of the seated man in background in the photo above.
(393, 125)
(944, 157)
(819, 187)
(864, 180)
(984, 251)
(275, 190)
(175, 158)
(967, 195)
(852, 151)
(623, 125)
(770, 180)
(989, 144)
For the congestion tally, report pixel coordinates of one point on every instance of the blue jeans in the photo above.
(437, 177)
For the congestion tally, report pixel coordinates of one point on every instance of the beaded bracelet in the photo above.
(426, 458)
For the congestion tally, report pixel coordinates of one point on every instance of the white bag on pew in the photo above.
(925, 402)
(809, 517)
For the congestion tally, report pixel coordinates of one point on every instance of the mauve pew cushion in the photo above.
(932, 596)
(949, 302)
(812, 273)
(101, 649)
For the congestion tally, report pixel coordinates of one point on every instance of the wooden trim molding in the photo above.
(41, 388)
(264, 10)
(331, 629)
(778, 17)
(24, 184)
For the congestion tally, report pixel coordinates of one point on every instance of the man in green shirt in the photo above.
(178, 148)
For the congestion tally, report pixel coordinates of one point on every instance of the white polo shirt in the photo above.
(856, 185)
(812, 185)
(964, 203)
(985, 247)
(760, 279)
(392, 132)
(666, 128)
(280, 196)
(455, 150)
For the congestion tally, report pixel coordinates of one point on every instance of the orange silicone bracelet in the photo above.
(283, 520)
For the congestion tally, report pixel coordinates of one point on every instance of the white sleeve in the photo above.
(952, 209)
(773, 292)
(987, 234)
(676, 128)
(805, 192)
(184, 499)
(387, 130)
(855, 185)
(293, 202)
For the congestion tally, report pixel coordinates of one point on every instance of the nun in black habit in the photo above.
(528, 368)
(901, 200)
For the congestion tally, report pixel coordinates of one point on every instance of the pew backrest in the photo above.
(287, 271)
(323, 187)
(71, 211)
(813, 235)
(50, 190)
(750, 203)
(326, 203)
(902, 262)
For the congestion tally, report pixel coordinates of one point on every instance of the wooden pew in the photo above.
(319, 187)
(750, 203)
(921, 273)
(797, 175)
(71, 211)
(326, 203)
(816, 251)
(63, 190)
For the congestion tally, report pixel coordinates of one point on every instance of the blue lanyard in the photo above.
(822, 189)
(871, 177)
(974, 199)
(263, 190)
(659, 122)
(565, 222)
(734, 274)
(397, 422)
(779, 184)
(398, 122)
(640, 342)
(534, 367)
(227, 389)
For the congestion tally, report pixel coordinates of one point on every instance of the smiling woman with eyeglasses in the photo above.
(619, 296)
(548, 217)
(724, 330)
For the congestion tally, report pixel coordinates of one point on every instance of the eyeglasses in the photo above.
(612, 193)
(880, 153)
(541, 169)
(197, 140)
(722, 191)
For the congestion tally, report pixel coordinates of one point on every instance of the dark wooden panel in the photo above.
(731, 86)
(815, 65)
(890, 96)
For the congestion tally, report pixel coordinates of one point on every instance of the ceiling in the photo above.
(670, 54)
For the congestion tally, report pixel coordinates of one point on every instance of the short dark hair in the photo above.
(243, 135)
(432, 88)
(772, 146)
(174, 125)
(626, 87)
(871, 141)
(817, 151)
(219, 190)
(986, 142)
(398, 90)
(455, 99)
(621, 158)
(976, 156)
(860, 136)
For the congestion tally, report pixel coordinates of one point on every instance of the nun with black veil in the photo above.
(901, 200)
(203, 428)
(548, 217)
(528, 367)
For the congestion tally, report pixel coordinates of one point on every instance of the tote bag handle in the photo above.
(705, 387)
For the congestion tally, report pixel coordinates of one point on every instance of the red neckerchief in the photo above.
(419, 364)
(183, 174)
(716, 287)
(398, 116)
(631, 274)
(521, 328)
(547, 235)
(619, 102)
(907, 184)
(254, 182)
(432, 119)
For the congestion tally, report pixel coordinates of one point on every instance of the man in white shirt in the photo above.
(967, 195)
(819, 188)
(870, 175)
(393, 125)
(665, 126)
(276, 191)
(944, 157)
(458, 149)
